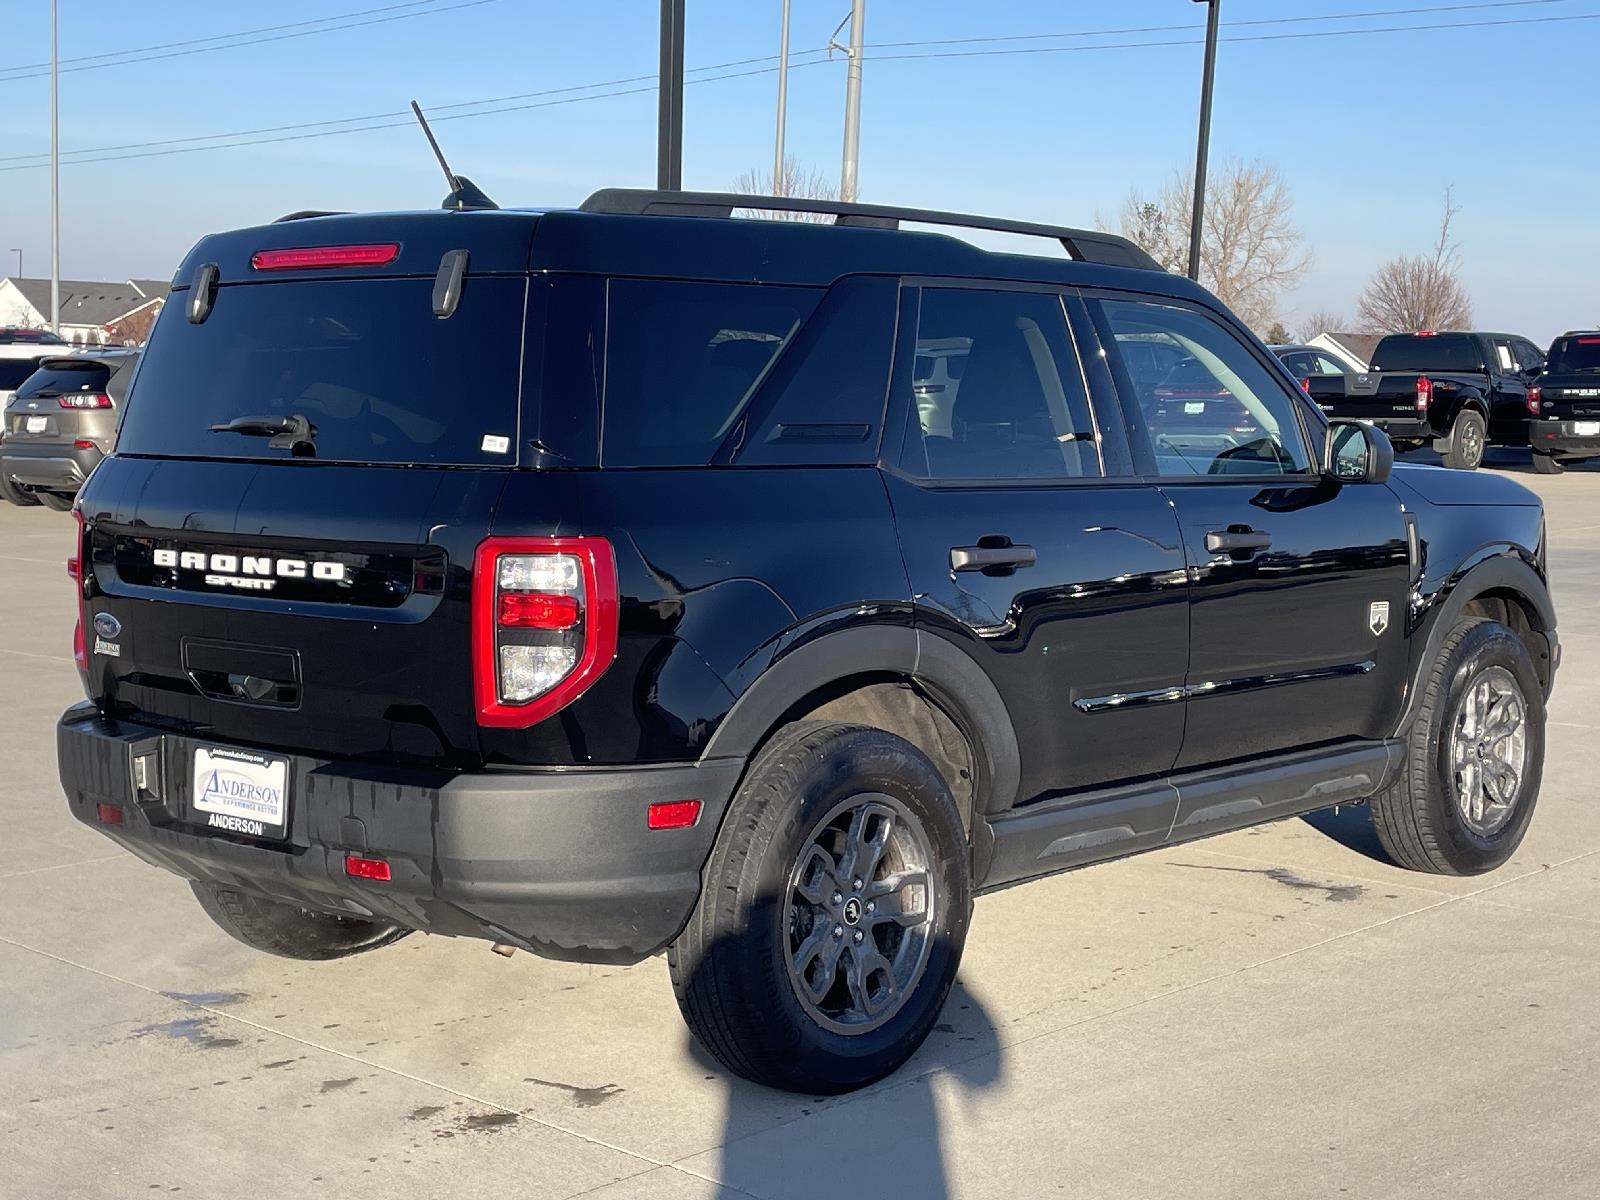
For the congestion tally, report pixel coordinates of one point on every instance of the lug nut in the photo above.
(838, 931)
(837, 897)
(855, 885)
(872, 906)
(858, 937)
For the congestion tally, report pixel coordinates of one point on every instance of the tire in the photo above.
(733, 968)
(16, 495)
(1547, 464)
(1463, 449)
(1420, 819)
(55, 501)
(288, 930)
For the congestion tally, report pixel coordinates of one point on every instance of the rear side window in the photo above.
(1428, 352)
(365, 361)
(682, 360)
(60, 378)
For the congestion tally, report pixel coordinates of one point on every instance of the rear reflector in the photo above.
(532, 610)
(374, 869)
(109, 814)
(674, 814)
(302, 257)
(83, 444)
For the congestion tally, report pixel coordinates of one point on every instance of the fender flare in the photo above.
(1502, 571)
(953, 680)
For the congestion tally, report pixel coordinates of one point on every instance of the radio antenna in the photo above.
(464, 194)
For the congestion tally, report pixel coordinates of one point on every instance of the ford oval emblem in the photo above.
(106, 625)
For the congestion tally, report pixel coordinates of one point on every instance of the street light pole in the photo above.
(669, 129)
(852, 102)
(783, 103)
(1197, 224)
(55, 184)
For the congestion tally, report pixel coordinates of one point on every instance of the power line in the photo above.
(383, 121)
(256, 41)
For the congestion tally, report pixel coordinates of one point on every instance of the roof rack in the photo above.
(1085, 245)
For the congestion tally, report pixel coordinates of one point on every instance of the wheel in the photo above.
(1475, 755)
(16, 495)
(55, 501)
(1463, 449)
(1547, 464)
(832, 913)
(288, 930)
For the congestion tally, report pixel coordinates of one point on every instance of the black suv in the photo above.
(1564, 406)
(632, 578)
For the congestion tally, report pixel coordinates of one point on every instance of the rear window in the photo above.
(55, 379)
(365, 361)
(14, 370)
(681, 361)
(1419, 352)
(1574, 354)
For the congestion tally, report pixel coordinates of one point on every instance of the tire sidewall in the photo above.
(856, 762)
(1486, 644)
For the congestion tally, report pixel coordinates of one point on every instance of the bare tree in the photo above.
(1250, 249)
(1419, 291)
(806, 183)
(1322, 321)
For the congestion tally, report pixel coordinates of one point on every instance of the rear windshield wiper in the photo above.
(294, 433)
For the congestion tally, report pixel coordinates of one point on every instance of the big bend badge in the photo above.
(1378, 617)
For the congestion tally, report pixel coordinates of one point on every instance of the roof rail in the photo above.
(1085, 245)
(303, 213)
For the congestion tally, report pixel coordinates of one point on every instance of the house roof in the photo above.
(1358, 345)
(87, 302)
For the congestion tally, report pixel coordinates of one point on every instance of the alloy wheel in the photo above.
(1488, 750)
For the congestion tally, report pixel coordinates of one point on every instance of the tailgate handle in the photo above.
(243, 674)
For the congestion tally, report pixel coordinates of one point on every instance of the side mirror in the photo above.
(1357, 453)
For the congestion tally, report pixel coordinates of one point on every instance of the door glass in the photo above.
(997, 390)
(1206, 404)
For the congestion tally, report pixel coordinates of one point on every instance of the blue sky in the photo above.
(1368, 129)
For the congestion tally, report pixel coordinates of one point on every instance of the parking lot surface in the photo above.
(1275, 1012)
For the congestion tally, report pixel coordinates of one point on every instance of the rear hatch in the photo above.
(61, 401)
(1569, 389)
(311, 593)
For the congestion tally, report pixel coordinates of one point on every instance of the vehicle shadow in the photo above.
(1351, 826)
(885, 1139)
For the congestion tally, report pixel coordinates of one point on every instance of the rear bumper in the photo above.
(558, 862)
(1558, 437)
(1405, 429)
(54, 466)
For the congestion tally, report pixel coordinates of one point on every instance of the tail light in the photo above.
(544, 624)
(1535, 395)
(1424, 393)
(80, 652)
(1305, 384)
(84, 400)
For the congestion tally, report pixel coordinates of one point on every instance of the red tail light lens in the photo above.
(1305, 384)
(544, 624)
(1535, 396)
(301, 258)
(1424, 393)
(80, 652)
(84, 400)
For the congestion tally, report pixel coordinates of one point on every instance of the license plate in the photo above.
(240, 791)
(35, 425)
(1586, 428)
(1194, 407)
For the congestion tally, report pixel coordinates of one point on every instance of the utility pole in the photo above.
(783, 103)
(1197, 224)
(852, 102)
(669, 127)
(55, 183)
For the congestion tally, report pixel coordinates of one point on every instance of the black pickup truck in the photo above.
(1459, 391)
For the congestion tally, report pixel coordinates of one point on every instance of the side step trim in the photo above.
(1088, 827)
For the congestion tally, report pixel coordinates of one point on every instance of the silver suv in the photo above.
(59, 423)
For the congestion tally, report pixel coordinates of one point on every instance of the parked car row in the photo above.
(1461, 392)
(60, 416)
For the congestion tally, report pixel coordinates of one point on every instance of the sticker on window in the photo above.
(494, 443)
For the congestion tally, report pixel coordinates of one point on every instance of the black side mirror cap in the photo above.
(1357, 453)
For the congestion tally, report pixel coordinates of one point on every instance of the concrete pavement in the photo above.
(1276, 1012)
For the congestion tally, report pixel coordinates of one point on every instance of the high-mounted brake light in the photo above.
(544, 624)
(1427, 333)
(1594, 341)
(300, 258)
(1424, 393)
(84, 400)
(1535, 396)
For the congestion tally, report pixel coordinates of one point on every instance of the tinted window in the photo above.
(1529, 356)
(1218, 410)
(14, 370)
(1428, 352)
(1323, 365)
(1573, 354)
(1299, 363)
(73, 375)
(1007, 399)
(681, 361)
(366, 361)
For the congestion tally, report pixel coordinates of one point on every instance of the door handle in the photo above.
(984, 558)
(1237, 540)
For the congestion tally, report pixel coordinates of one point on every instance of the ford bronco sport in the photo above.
(631, 578)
